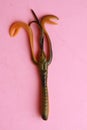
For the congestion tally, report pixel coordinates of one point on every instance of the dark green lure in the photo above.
(43, 65)
(42, 62)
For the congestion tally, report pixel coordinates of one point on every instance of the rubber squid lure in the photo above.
(42, 62)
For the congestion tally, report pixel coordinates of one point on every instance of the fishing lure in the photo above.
(42, 62)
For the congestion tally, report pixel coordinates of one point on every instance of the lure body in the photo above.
(43, 68)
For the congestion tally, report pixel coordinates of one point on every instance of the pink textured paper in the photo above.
(67, 78)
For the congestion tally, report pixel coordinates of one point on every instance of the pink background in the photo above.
(67, 80)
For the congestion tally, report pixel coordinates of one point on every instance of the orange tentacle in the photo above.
(14, 29)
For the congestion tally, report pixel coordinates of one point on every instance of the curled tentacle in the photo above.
(41, 35)
(37, 20)
(14, 29)
(47, 19)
